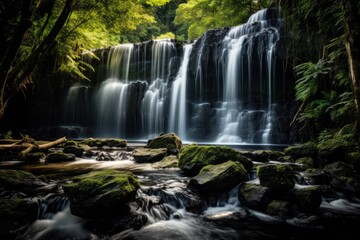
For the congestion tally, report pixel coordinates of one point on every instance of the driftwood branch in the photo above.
(28, 145)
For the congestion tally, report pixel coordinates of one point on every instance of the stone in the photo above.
(220, 177)
(193, 158)
(76, 150)
(170, 141)
(308, 149)
(281, 209)
(306, 162)
(34, 157)
(254, 196)
(16, 213)
(149, 155)
(314, 176)
(19, 180)
(307, 199)
(115, 142)
(339, 169)
(60, 157)
(70, 143)
(168, 162)
(277, 177)
(346, 185)
(333, 150)
(101, 193)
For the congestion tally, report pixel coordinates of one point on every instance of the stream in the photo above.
(173, 212)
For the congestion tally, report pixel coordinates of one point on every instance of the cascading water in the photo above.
(221, 88)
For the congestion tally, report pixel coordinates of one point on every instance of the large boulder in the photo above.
(78, 151)
(34, 157)
(302, 150)
(168, 162)
(60, 157)
(170, 141)
(277, 177)
(101, 193)
(254, 196)
(339, 169)
(19, 180)
(149, 155)
(333, 150)
(281, 209)
(263, 155)
(346, 185)
(16, 213)
(307, 199)
(214, 178)
(193, 158)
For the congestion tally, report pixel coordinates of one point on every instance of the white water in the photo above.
(178, 116)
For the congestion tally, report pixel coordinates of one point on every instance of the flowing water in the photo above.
(174, 212)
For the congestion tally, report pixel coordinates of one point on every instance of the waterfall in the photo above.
(226, 87)
(178, 118)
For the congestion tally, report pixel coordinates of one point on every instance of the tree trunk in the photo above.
(351, 15)
(11, 51)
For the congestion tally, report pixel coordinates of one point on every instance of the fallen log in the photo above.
(27, 145)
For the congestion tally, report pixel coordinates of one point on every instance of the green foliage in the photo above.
(197, 16)
(168, 35)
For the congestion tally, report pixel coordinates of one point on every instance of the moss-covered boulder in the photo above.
(307, 199)
(306, 162)
(277, 177)
(115, 142)
(308, 149)
(333, 150)
(70, 143)
(220, 177)
(168, 162)
(60, 157)
(149, 155)
(16, 213)
(314, 176)
(254, 196)
(98, 142)
(19, 180)
(339, 169)
(101, 193)
(78, 151)
(346, 185)
(34, 157)
(170, 141)
(193, 158)
(281, 209)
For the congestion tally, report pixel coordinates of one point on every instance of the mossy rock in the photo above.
(281, 209)
(34, 157)
(306, 162)
(76, 150)
(277, 177)
(346, 185)
(70, 143)
(307, 199)
(353, 158)
(168, 162)
(60, 157)
(149, 155)
(314, 176)
(254, 196)
(16, 213)
(115, 142)
(220, 177)
(333, 150)
(93, 142)
(308, 149)
(101, 193)
(19, 180)
(193, 158)
(339, 169)
(285, 159)
(170, 141)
